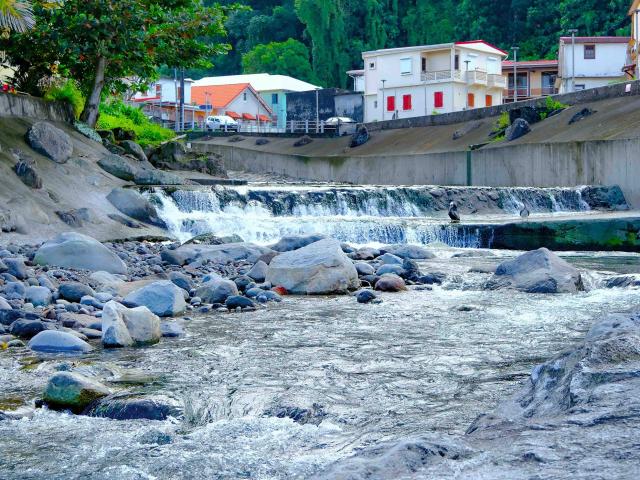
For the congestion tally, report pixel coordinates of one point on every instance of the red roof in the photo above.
(248, 116)
(233, 114)
(264, 118)
(552, 64)
(469, 42)
(596, 39)
(217, 96)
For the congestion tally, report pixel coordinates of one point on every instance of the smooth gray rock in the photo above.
(73, 391)
(163, 298)
(17, 268)
(366, 296)
(134, 149)
(259, 271)
(389, 259)
(4, 305)
(390, 283)
(217, 290)
(24, 328)
(26, 172)
(107, 281)
(74, 291)
(390, 268)
(114, 331)
(319, 268)
(142, 325)
(38, 296)
(413, 252)
(220, 254)
(156, 177)
(14, 290)
(181, 280)
(366, 253)
(238, 301)
(136, 407)
(519, 128)
(55, 341)
(74, 250)
(135, 205)
(119, 167)
(538, 271)
(50, 141)
(364, 268)
(294, 242)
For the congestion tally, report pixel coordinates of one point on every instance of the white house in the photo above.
(238, 101)
(424, 80)
(161, 102)
(599, 61)
(357, 77)
(165, 90)
(633, 66)
(272, 88)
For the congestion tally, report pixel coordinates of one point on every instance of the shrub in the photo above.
(503, 121)
(552, 105)
(118, 115)
(68, 91)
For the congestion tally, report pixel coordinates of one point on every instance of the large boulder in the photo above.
(163, 298)
(73, 391)
(538, 271)
(136, 407)
(55, 341)
(519, 128)
(319, 268)
(74, 250)
(390, 282)
(119, 167)
(217, 290)
(142, 326)
(259, 271)
(134, 149)
(50, 141)
(133, 204)
(294, 242)
(156, 177)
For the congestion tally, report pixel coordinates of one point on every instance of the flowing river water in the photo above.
(284, 392)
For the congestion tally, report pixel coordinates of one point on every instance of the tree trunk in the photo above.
(90, 112)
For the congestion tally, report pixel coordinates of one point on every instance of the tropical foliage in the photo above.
(116, 114)
(15, 15)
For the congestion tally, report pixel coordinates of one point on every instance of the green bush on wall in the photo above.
(119, 115)
(67, 92)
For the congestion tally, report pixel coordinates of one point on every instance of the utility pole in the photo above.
(383, 99)
(466, 78)
(515, 73)
(573, 32)
(182, 99)
(317, 110)
(636, 31)
(175, 86)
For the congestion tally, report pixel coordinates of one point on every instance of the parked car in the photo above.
(342, 125)
(222, 123)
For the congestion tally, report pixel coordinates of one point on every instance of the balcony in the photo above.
(526, 92)
(476, 77)
(441, 76)
(496, 81)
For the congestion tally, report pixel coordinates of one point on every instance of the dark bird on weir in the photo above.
(524, 213)
(453, 213)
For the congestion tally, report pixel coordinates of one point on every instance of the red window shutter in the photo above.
(406, 102)
(391, 104)
(471, 100)
(488, 101)
(438, 99)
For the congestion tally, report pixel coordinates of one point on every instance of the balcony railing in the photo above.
(476, 77)
(526, 92)
(497, 81)
(441, 76)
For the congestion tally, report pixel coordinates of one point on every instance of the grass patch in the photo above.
(118, 115)
(67, 92)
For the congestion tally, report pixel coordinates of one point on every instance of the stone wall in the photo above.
(33, 107)
(575, 98)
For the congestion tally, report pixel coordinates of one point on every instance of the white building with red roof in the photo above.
(599, 61)
(424, 80)
(238, 101)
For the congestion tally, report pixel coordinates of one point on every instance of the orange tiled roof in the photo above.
(248, 116)
(218, 96)
(263, 118)
(234, 115)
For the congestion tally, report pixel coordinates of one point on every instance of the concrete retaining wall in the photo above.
(575, 98)
(611, 162)
(33, 107)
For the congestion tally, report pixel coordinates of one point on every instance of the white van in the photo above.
(221, 123)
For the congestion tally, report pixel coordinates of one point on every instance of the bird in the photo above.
(453, 213)
(524, 212)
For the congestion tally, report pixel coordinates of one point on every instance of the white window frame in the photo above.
(403, 63)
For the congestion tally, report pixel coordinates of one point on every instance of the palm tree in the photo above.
(16, 15)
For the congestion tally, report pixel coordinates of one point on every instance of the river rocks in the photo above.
(259, 271)
(604, 197)
(136, 407)
(366, 296)
(74, 291)
(107, 281)
(134, 149)
(413, 252)
(73, 391)
(389, 259)
(54, 341)
(538, 271)
(163, 298)
(133, 204)
(217, 290)
(364, 268)
(294, 242)
(17, 268)
(38, 296)
(24, 328)
(390, 268)
(366, 253)
(238, 301)
(219, 254)
(181, 280)
(50, 141)
(122, 326)
(4, 305)
(26, 172)
(318, 268)
(74, 250)
(519, 128)
(156, 177)
(390, 283)
(119, 166)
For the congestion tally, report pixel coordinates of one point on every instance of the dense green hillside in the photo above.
(329, 35)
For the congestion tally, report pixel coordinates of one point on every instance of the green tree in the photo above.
(284, 58)
(103, 42)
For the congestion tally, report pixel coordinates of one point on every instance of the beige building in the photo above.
(536, 78)
(632, 68)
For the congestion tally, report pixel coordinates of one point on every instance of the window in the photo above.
(274, 98)
(391, 104)
(438, 99)
(589, 52)
(471, 100)
(372, 65)
(405, 66)
(375, 104)
(424, 64)
(244, 96)
(406, 102)
(488, 100)
(456, 63)
(158, 90)
(580, 86)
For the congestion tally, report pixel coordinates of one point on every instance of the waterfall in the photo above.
(359, 215)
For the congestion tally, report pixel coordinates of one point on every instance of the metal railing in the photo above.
(495, 80)
(476, 77)
(441, 76)
(526, 92)
(321, 127)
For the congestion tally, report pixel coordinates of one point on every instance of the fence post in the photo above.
(306, 126)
